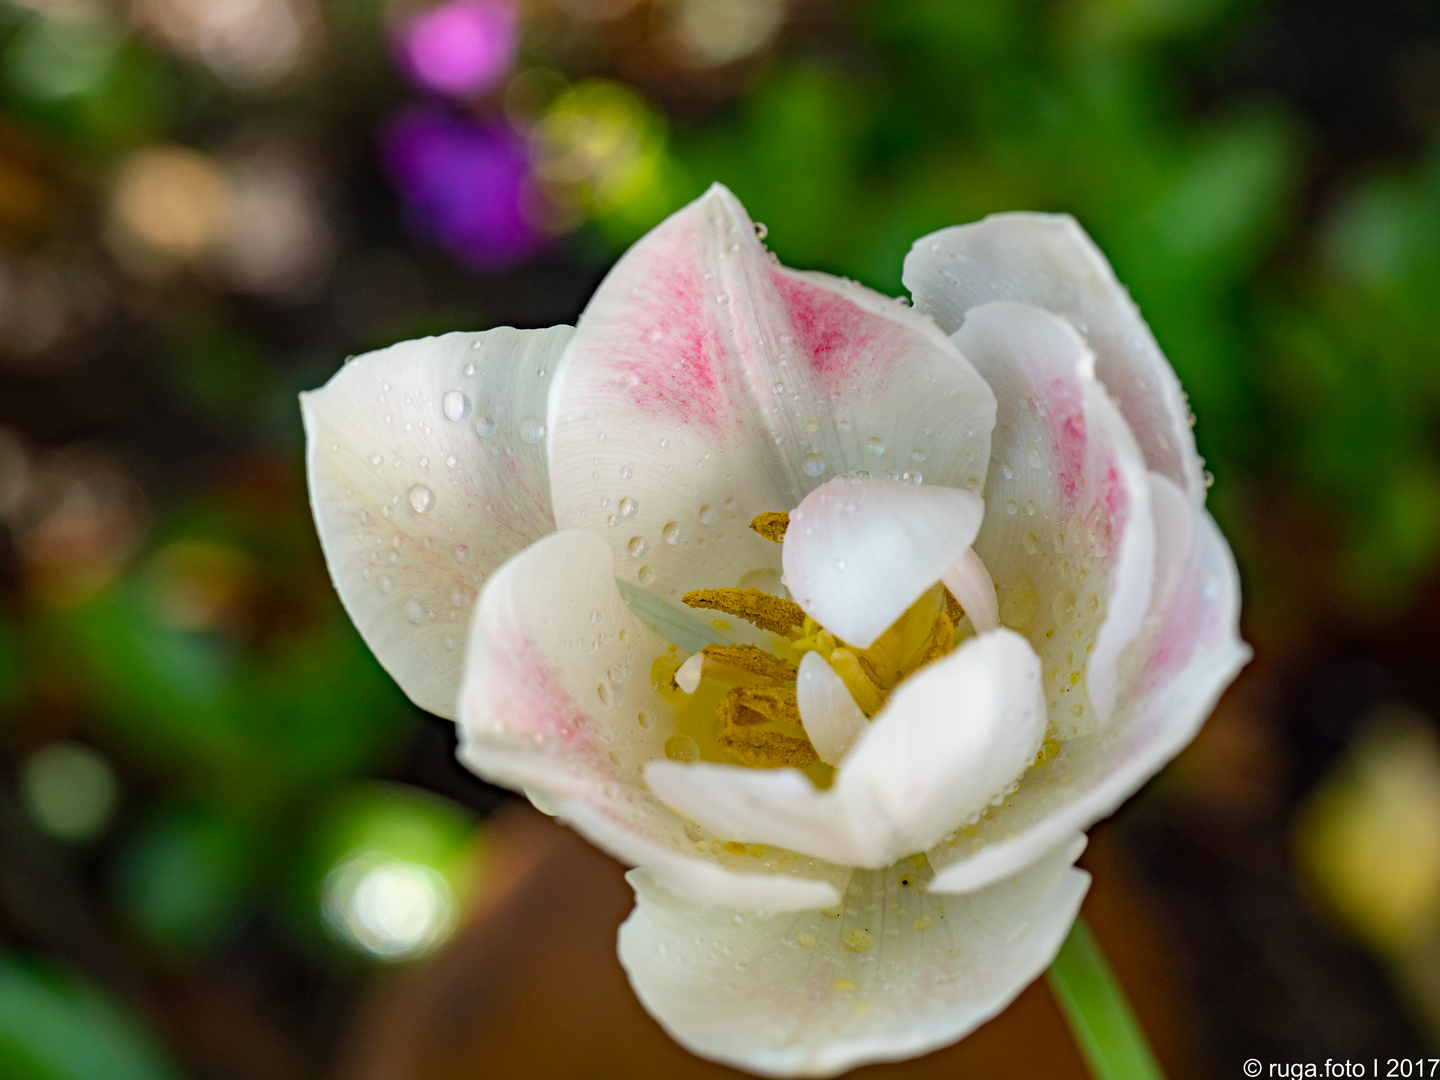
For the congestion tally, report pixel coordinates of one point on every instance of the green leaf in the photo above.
(1106, 1030)
(55, 1026)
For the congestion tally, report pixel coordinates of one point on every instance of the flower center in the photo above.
(739, 702)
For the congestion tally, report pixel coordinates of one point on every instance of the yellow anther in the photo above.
(765, 611)
(952, 607)
(722, 661)
(857, 680)
(771, 526)
(761, 726)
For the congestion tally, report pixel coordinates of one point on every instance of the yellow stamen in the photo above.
(952, 607)
(942, 640)
(761, 726)
(771, 526)
(860, 683)
(765, 611)
(725, 661)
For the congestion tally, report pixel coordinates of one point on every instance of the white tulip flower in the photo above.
(851, 752)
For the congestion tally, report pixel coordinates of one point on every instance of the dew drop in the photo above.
(682, 748)
(813, 464)
(675, 533)
(643, 719)
(421, 499)
(469, 369)
(918, 455)
(462, 553)
(627, 473)
(455, 405)
(531, 431)
(484, 427)
(628, 508)
(647, 575)
(386, 583)
(414, 612)
(731, 506)
(761, 230)
(875, 445)
(707, 515)
(451, 461)
(1031, 543)
(638, 547)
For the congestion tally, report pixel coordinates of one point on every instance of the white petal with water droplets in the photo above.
(1047, 260)
(422, 482)
(708, 384)
(859, 552)
(831, 719)
(1068, 535)
(952, 739)
(1186, 653)
(557, 701)
(894, 973)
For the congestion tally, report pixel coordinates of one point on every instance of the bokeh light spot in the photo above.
(460, 48)
(388, 907)
(68, 790)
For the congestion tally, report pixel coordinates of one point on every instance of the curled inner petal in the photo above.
(832, 719)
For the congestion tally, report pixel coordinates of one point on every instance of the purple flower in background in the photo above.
(460, 48)
(463, 184)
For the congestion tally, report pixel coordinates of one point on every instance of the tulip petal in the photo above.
(831, 719)
(898, 973)
(426, 473)
(951, 740)
(969, 581)
(1068, 534)
(558, 702)
(859, 552)
(1049, 261)
(709, 384)
(1187, 652)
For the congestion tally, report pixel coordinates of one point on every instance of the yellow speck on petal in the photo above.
(805, 939)
(1048, 749)
(845, 986)
(771, 526)
(760, 608)
(734, 847)
(756, 851)
(831, 912)
(1074, 678)
(858, 939)
(719, 624)
(924, 922)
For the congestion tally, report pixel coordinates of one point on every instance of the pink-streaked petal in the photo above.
(1048, 260)
(426, 473)
(951, 740)
(789, 995)
(1068, 535)
(859, 552)
(1187, 652)
(831, 719)
(970, 583)
(708, 384)
(557, 701)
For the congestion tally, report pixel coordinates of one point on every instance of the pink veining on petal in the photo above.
(673, 332)
(842, 341)
(1097, 502)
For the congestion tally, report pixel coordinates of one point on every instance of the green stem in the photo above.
(1105, 1029)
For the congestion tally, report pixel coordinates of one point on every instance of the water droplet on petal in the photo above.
(462, 553)
(675, 534)
(638, 547)
(647, 575)
(414, 612)
(682, 748)
(421, 499)
(455, 405)
(484, 427)
(813, 464)
(629, 507)
(875, 445)
(531, 431)
(707, 515)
